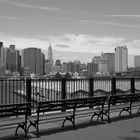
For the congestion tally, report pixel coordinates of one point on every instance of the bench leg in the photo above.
(22, 126)
(34, 124)
(107, 114)
(138, 110)
(71, 119)
(125, 109)
(99, 116)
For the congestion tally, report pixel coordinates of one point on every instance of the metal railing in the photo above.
(34, 90)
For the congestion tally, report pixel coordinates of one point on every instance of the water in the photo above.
(15, 91)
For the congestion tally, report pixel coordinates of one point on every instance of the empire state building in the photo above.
(50, 57)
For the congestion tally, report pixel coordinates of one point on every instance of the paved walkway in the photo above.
(123, 128)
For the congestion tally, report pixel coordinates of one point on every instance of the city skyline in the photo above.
(71, 26)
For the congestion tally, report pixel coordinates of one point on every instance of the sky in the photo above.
(86, 26)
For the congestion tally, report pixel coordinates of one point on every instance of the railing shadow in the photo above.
(67, 128)
(129, 138)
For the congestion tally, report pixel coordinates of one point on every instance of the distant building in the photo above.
(110, 60)
(1, 54)
(57, 66)
(2, 68)
(76, 66)
(50, 54)
(96, 59)
(58, 63)
(103, 66)
(5, 56)
(33, 60)
(12, 59)
(92, 68)
(49, 62)
(70, 67)
(48, 66)
(2, 59)
(64, 67)
(121, 59)
(136, 61)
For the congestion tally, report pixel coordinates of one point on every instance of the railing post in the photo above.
(113, 86)
(28, 91)
(63, 96)
(133, 85)
(91, 80)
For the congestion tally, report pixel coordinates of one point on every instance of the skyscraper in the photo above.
(121, 59)
(12, 59)
(137, 61)
(50, 56)
(49, 61)
(110, 60)
(92, 68)
(1, 59)
(32, 58)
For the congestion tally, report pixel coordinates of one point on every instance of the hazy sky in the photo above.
(71, 25)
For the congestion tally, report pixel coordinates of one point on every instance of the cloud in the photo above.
(46, 8)
(127, 16)
(80, 43)
(62, 46)
(86, 43)
(11, 18)
(135, 44)
(92, 22)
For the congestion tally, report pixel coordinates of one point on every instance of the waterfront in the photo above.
(13, 91)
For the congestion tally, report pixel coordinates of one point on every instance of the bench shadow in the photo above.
(12, 137)
(136, 131)
(69, 127)
(129, 138)
(82, 125)
(124, 117)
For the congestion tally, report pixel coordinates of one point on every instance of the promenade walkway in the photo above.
(124, 128)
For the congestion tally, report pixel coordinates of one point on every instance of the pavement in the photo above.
(121, 128)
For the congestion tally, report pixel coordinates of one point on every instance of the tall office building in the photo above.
(70, 66)
(12, 59)
(103, 66)
(1, 54)
(110, 60)
(5, 56)
(76, 66)
(64, 67)
(50, 55)
(49, 61)
(1, 59)
(33, 61)
(121, 59)
(92, 69)
(57, 66)
(136, 61)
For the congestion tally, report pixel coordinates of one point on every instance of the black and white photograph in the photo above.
(69, 69)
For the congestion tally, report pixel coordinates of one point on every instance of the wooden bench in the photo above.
(68, 109)
(136, 102)
(119, 103)
(15, 114)
(93, 106)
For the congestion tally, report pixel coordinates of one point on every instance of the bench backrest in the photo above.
(54, 105)
(90, 102)
(136, 97)
(123, 98)
(7, 110)
(46, 106)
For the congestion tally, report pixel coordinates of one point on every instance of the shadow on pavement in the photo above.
(129, 138)
(81, 125)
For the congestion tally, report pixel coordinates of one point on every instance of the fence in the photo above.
(33, 90)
